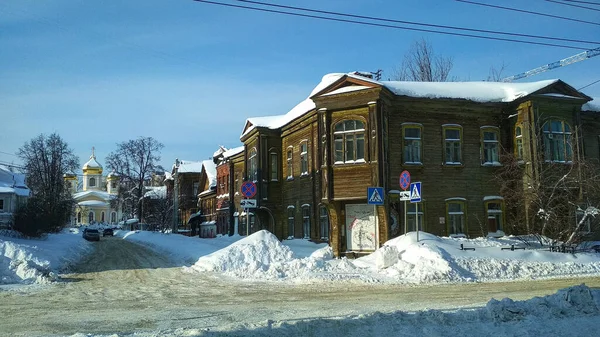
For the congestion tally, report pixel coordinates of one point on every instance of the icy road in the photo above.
(124, 288)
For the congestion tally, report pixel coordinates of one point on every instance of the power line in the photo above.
(416, 23)
(572, 5)
(585, 86)
(529, 12)
(10, 154)
(387, 26)
(584, 2)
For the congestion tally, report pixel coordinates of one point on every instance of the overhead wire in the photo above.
(588, 85)
(584, 2)
(416, 23)
(387, 25)
(573, 5)
(528, 12)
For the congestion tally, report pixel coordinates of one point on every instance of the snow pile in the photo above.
(28, 261)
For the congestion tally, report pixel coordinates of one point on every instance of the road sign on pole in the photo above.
(248, 189)
(415, 192)
(404, 180)
(375, 195)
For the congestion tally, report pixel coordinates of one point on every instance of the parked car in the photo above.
(108, 232)
(91, 234)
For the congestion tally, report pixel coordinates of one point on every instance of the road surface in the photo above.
(124, 287)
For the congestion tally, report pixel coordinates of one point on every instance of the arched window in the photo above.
(290, 162)
(102, 216)
(78, 217)
(324, 223)
(306, 221)
(252, 165)
(558, 146)
(92, 182)
(274, 166)
(291, 213)
(90, 217)
(349, 141)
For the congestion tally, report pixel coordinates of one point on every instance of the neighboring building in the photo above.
(207, 200)
(187, 173)
(93, 201)
(13, 193)
(225, 184)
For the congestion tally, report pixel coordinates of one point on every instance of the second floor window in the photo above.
(490, 144)
(274, 166)
(349, 141)
(558, 146)
(412, 144)
(304, 158)
(252, 166)
(92, 182)
(195, 188)
(290, 168)
(452, 145)
(519, 142)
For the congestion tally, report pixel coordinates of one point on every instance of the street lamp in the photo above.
(175, 195)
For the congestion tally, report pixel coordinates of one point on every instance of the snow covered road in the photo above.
(124, 287)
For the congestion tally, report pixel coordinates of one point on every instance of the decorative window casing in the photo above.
(558, 141)
(252, 165)
(290, 163)
(494, 213)
(452, 144)
(274, 166)
(349, 142)
(490, 146)
(306, 221)
(304, 158)
(411, 216)
(412, 143)
(456, 216)
(92, 182)
(324, 223)
(519, 142)
(291, 216)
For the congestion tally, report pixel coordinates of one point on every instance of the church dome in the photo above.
(92, 164)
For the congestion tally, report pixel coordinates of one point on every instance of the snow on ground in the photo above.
(572, 311)
(432, 259)
(27, 261)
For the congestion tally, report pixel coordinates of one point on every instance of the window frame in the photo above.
(92, 182)
(2, 204)
(519, 146)
(549, 141)
(496, 131)
(252, 165)
(290, 162)
(304, 170)
(291, 221)
(306, 223)
(324, 222)
(459, 140)
(410, 216)
(405, 151)
(462, 202)
(495, 200)
(356, 136)
(91, 217)
(274, 167)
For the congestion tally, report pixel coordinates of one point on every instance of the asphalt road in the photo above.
(124, 287)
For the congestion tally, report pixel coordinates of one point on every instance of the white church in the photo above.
(92, 201)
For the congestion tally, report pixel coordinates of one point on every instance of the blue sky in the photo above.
(190, 73)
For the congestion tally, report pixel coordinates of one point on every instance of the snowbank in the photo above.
(28, 261)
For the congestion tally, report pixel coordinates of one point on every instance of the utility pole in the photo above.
(175, 196)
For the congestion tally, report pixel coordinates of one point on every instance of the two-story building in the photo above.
(13, 194)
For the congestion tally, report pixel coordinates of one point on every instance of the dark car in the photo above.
(108, 232)
(91, 234)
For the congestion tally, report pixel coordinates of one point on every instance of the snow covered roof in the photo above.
(592, 105)
(188, 166)
(156, 192)
(100, 194)
(92, 163)
(93, 203)
(211, 172)
(221, 150)
(12, 182)
(233, 152)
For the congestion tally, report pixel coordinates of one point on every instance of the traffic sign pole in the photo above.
(404, 184)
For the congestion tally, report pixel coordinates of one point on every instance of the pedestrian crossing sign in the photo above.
(375, 195)
(415, 192)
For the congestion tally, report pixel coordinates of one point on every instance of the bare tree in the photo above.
(495, 73)
(47, 159)
(135, 161)
(421, 64)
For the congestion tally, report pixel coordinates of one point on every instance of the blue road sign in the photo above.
(415, 192)
(375, 195)
(404, 180)
(248, 189)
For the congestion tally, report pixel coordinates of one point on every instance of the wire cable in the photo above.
(388, 26)
(585, 86)
(572, 5)
(584, 2)
(529, 12)
(416, 23)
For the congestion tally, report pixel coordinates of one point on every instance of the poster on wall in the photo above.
(361, 227)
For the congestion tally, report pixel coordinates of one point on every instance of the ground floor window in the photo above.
(90, 217)
(411, 216)
(494, 215)
(455, 215)
(306, 221)
(324, 223)
(102, 216)
(113, 217)
(291, 221)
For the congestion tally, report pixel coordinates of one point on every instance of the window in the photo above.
(252, 166)
(494, 215)
(1, 204)
(411, 216)
(412, 143)
(349, 141)
(78, 217)
(455, 215)
(324, 222)
(113, 217)
(291, 221)
(195, 188)
(90, 217)
(274, 166)
(113, 184)
(558, 145)
(92, 182)
(102, 216)
(519, 142)
(304, 158)
(452, 144)
(489, 146)
(290, 170)
(306, 221)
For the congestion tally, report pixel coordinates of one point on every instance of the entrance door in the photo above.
(361, 227)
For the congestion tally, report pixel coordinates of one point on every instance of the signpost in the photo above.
(248, 190)
(404, 184)
(415, 197)
(375, 195)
